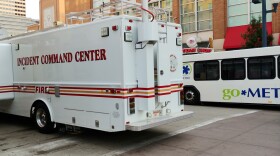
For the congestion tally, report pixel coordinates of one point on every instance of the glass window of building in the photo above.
(240, 12)
(196, 15)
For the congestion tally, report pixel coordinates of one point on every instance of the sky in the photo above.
(32, 9)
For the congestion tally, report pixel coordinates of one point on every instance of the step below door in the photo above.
(6, 72)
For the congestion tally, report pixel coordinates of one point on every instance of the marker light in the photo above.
(115, 27)
(128, 28)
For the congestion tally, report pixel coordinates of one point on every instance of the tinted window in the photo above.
(261, 68)
(233, 69)
(206, 70)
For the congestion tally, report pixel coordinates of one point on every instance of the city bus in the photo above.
(240, 76)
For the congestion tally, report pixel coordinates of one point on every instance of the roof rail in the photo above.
(114, 8)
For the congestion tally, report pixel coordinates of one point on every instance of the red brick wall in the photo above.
(276, 21)
(59, 10)
(176, 11)
(77, 5)
(219, 18)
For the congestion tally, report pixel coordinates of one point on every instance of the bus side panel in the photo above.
(266, 91)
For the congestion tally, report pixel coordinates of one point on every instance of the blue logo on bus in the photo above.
(187, 70)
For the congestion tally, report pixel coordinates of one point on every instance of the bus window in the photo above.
(206, 70)
(233, 69)
(261, 68)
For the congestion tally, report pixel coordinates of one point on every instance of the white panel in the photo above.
(6, 78)
(48, 17)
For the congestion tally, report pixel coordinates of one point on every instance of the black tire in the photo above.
(191, 97)
(42, 119)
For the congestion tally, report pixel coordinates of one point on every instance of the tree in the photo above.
(253, 35)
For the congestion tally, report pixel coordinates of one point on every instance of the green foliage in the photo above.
(253, 36)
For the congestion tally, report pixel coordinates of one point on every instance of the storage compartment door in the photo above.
(163, 72)
(6, 71)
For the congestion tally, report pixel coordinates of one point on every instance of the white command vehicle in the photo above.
(114, 73)
(242, 76)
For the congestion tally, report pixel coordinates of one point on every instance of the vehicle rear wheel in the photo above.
(42, 119)
(191, 97)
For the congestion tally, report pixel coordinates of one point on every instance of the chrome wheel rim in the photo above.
(189, 95)
(41, 117)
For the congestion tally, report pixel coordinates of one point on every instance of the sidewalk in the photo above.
(256, 134)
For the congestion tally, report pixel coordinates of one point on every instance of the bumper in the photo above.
(154, 122)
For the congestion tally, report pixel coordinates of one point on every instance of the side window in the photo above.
(200, 70)
(233, 69)
(261, 68)
(206, 70)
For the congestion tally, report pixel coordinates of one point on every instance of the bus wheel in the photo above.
(42, 119)
(191, 97)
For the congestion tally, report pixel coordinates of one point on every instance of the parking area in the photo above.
(211, 131)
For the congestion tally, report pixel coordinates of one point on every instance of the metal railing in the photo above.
(114, 8)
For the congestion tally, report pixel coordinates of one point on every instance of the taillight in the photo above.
(182, 97)
(131, 106)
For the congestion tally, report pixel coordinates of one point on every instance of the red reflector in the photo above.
(113, 91)
(128, 28)
(115, 27)
(176, 27)
(162, 25)
(179, 34)
(130, 20)
(127, 122)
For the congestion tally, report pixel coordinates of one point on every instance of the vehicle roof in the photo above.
(243, 53)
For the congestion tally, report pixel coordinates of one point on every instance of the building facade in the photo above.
(13, 19)
(196, 20)
(15, 25)
(220, 21)
(13, 7)
(231, 18)
(55, 10)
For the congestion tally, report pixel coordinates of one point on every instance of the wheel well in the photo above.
(34, 105)
(193, 88)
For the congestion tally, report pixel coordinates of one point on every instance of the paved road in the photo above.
(18, 137)
(256, 134)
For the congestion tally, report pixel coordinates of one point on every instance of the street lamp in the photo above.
(264, 12)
